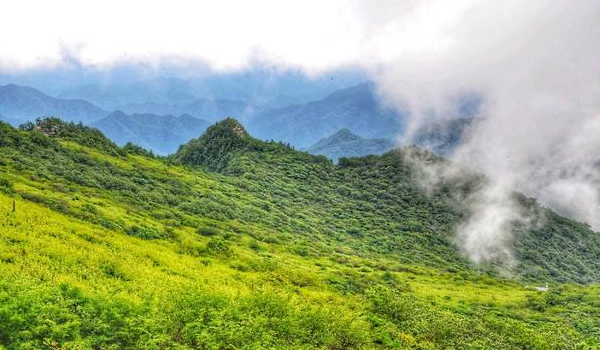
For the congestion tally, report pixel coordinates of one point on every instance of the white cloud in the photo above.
(538, 65)
(224, 34)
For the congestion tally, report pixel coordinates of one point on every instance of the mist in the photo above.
(537, 66)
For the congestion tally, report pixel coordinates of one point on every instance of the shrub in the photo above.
(218, 246)
(32, 197)
(113, 269)
(208, 231)
(134, 149)
(5, 186)
(143, 232)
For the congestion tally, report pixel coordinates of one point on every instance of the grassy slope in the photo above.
(103, 251)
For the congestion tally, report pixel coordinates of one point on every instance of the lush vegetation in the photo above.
(234, 243)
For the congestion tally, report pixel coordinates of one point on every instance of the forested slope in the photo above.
(234, 243)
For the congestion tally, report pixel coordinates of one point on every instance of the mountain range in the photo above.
(150, 115)
(212, 110)
(441, 137)
(356, 108)
(162, 134)
(21, 103)
(261, 87)
(346, 144)
(234, 242)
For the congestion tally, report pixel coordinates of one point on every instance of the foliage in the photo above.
(208, 231)
(113, 249)
(214, 148)
(130, 148)
(56, 128)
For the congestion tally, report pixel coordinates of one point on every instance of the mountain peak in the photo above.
(10, 86)
(346, 134)
(213, 149)
(162, 134)
(364, 91)
(24, 103)
(186, 116)
(17, 91)
(342, 136)
(230, 125)
(117, 114)
(345, 143)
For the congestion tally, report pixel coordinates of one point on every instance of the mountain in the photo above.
(160, 96)
(226, 147)
(272, 87)
(346, 144)
(213, 149)
(161, 91)
(233, 242)
(442, 137)
(356, 108)
(212, 110)
(260, 87)
(22, 103)
(162, 134)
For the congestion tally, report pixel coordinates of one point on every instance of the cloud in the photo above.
(223, 34)
(537, 64)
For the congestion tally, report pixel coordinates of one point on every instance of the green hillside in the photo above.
(234, 243)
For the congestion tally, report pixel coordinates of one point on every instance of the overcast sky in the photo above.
(226, 34)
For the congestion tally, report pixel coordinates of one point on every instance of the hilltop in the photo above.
(237, 242)
(344, 143)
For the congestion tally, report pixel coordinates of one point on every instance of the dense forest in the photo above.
(236, 243)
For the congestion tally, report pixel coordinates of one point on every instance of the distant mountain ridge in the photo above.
(443, 136)
(356, 108)
(440, 137)
(22, 103)
(202, 108)
(154, 124)
(346, 144)
(262, 87)
(163, 134)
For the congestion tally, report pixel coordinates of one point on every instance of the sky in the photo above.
(536, 63)
(225, 35)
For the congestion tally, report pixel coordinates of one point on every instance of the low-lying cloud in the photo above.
(537, 64)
